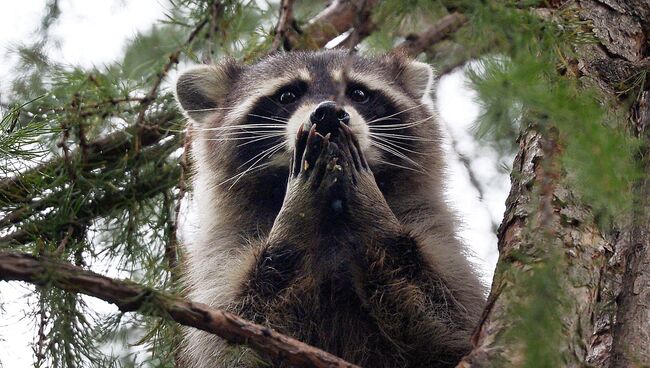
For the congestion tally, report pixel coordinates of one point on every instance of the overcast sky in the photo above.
(93, 33)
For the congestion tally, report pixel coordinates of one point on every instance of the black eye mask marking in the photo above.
(290, 93)
(372, 104)
(267, 117)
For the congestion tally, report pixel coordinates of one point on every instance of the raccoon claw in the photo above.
(296, 159)
(352, 149)
(306, 148)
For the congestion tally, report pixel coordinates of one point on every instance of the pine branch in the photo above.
(24, 212)
(130, 297)
(98, 152)
(16, 189)
(420, 42)
(111, 201)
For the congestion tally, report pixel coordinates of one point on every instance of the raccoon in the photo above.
(318, 186)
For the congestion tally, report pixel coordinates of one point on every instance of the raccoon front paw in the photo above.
(352, 153)
(330, 166)
(317, 157)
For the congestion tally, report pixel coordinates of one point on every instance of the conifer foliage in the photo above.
(94, 172)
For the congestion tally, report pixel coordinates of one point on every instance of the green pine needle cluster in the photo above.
(525, 81)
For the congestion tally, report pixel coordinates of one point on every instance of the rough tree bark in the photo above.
(605, 275)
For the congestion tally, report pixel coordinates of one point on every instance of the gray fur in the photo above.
(421, 319)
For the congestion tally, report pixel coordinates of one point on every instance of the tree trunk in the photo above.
(549, 239)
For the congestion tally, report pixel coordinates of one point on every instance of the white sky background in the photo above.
(93, 33)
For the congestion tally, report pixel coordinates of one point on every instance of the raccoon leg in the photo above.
(282, 257)
(396, 281)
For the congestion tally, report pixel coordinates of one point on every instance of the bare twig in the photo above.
(284, 22)
(363, 26)
(171, 251)
(39, 347)
(418, 43)
(63, 144)
(129, 297)
(353, 38)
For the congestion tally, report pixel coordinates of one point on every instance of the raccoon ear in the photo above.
(201, 89)
(417, 78)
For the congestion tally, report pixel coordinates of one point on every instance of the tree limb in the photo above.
(129, 297)
(337, 18)
(631, 333)
(417, 43)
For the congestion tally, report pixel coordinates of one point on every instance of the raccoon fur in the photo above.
(318, 188)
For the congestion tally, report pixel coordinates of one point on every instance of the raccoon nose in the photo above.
(327, 116)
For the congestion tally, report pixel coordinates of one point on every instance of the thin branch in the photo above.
(418, 43)
(171, 250)
(354, 39)
(129, 297)
(284, 23)
(363, 26)
(214, 15)
(472, 176)
(447, 69)
(39, 347)
(153, 92)
(63, 144)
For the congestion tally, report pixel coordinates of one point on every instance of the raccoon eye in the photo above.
(359, 95)
(287, 97)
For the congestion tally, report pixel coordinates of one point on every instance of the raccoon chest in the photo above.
(327, 313)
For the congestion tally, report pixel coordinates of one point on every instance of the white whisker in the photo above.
(238, 176)
(243, 127)
(396, 145)
(396, 153)
(251, 133)
(281, 144)
(401, 166)
(395, 114)
(399, 126)
(269, 136)
(210, 109)
(268, 118)
(403, 137)
(267, 153)
(250, 139)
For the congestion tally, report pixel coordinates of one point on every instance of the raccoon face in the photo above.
(245, 118)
